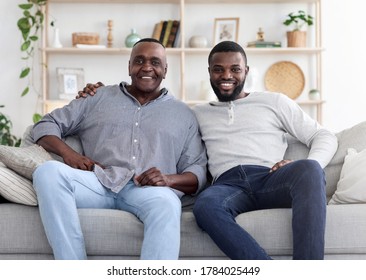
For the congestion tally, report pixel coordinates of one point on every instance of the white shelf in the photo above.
(182, 59)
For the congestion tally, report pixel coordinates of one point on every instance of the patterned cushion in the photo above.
(16, 188)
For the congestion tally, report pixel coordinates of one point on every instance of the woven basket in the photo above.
(285, 77)
(85, 38)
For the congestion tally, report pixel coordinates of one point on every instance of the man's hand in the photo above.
(152, 177)
(89, 89)
(280, 164)
(79, 161)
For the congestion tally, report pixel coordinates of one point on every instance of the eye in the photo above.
(217, 70)
(155, 62)
(236, 70)
(139, 61)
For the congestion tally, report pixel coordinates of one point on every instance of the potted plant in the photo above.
(297, 36)
(6, 137)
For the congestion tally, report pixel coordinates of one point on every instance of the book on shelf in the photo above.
(173, 34)
(167, 32)
(157, 30)
(165, 23)
(264, 44)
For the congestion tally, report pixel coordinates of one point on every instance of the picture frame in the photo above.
(226, 29)
(70, 81)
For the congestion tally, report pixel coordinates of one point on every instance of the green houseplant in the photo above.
(297, 36)
(30, 26)
(6, 137)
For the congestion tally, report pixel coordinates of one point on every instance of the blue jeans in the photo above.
(299, 184)
(62, 189)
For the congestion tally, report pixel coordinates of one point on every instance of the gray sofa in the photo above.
(114, 234)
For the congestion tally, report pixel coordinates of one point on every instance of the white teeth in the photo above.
(226, 84)
(146, 78)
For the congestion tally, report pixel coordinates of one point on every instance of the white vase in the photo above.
(198, 42)
(56, 39)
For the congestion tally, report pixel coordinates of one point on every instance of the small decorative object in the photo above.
(198, 42)
(85, 38)
(56, 39)
(260, 35)
(261, 43)
(132, 38)
(314, 94)
(226, 29)
(110, 35)
(70, 80)
(296, 37)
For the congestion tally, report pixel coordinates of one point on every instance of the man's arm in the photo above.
(55, 145)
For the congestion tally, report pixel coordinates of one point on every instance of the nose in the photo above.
(147, 66)
(227, 74)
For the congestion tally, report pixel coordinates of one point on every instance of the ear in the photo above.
(246, 70)
(165, 71)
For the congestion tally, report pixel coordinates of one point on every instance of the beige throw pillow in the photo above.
(24, 160)
(351, 187)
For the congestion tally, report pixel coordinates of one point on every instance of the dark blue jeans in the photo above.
(299, 185)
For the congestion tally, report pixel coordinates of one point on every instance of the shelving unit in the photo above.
(183, 61)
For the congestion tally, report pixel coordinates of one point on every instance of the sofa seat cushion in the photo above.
(115, 234)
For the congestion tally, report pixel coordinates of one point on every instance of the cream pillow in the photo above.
(23, 160)
(351, 187)
(16, 188)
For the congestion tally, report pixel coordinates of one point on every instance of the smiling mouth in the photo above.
(227, 85)
(146, 78)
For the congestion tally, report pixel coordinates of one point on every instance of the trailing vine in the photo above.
(30, 26)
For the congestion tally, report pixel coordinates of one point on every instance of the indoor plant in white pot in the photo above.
(297, 36)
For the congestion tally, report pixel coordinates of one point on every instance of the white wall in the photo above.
(343, 39)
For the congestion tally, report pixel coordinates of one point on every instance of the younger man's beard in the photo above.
(226, 98)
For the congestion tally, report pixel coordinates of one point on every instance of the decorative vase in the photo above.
(132, 38)
(296, 39)
(314, 94)
(56, 39)
(198, 42)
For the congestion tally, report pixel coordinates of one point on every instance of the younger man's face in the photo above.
(227, 75)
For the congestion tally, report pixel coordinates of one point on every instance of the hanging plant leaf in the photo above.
(25, 91)
(36, 118)
(25, 46)
(25, 6)
(24, 72)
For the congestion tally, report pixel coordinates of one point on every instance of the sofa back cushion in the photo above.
(354, 137)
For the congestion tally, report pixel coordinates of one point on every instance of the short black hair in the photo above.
(227, 46)
(151, 40)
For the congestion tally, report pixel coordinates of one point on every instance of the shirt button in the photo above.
(135, 140)
(139, 108)
(136, 123)
(133, 157)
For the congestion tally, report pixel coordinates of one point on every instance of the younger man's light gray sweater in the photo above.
(252, 130)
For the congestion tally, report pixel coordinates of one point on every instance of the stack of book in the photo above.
(167, 32)
(264, 44)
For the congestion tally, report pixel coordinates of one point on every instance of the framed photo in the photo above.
(226, 29)
(70, 81)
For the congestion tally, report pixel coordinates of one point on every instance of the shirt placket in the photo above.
(136, 138)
